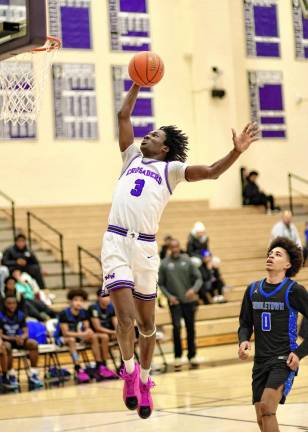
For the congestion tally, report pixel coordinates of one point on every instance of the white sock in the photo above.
(129, 365)
(33, 371)
(144, 375)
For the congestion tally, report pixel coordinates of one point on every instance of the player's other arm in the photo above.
(241, 143)
(299, 301)
(246, 326)
(126, 131)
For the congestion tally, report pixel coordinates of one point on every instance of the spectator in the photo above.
(254, 196)
(19, 256)
(14, 332)
(285, 228)
(165, 248)
(198, 242)
(212, 281)
(74, 327)
(180, 281)
(4, 379)
(103, 322)
(35, 307)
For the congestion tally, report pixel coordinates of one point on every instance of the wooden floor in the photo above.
(208, 399)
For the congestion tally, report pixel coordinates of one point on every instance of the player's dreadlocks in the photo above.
(177, 142)
(295, 254)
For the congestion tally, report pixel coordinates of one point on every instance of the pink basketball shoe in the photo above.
(106, 373)
(145, 407)
(131, 391)
(82, 377)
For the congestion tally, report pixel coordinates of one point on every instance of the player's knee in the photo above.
(31, 345)
(104, 337)
(125, 323)
(146, 327)
(70, 341)
(266, 410)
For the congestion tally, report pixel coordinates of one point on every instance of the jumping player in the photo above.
(270, 308)
(129, 254)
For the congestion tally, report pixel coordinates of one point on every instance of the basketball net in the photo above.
(22, 83)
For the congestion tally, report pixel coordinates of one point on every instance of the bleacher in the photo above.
(238, 236)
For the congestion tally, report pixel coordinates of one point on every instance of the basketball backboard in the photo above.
(23, 26)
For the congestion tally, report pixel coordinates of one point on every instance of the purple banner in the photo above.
(266, 103)
(129, 25)
(262, 30)
(69, 20)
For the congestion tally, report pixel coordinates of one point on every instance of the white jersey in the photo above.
(143, 190)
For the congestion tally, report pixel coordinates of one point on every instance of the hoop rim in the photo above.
(55, 44)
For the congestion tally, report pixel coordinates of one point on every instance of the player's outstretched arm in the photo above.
(241, 143)
(126, 131)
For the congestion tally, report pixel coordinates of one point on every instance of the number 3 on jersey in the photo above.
(139, 185)
(266, 321)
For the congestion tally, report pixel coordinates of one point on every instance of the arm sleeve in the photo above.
(246, 318)
(175, 173)
(162, 281)
(298, 299)
(197, 277)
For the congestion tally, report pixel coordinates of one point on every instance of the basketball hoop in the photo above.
(22, 83)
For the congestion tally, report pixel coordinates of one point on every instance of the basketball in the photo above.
(146, 69)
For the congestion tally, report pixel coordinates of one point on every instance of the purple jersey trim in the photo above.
(144, 297)
(166, 177)
(132, 160)
(150, 161)
(124, 233)
(119, 282)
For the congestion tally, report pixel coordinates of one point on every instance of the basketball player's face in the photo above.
(153, 144)
(277, 260)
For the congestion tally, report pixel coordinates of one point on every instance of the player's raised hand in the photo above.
(293, 361)
(243, 352)
(250, 133)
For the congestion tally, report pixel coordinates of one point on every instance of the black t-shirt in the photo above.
(12, 326)
(270, 311)
(104, 315)
(75, 322)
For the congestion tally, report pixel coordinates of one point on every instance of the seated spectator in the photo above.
(14, 332)
(74, 327)
(103, 322)
(180, 281)
(254, 196)
(19, 256)
(165, 248)
(198, 242)
(4, 379)
(35, 307)
(285, 228)
(212, 282)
